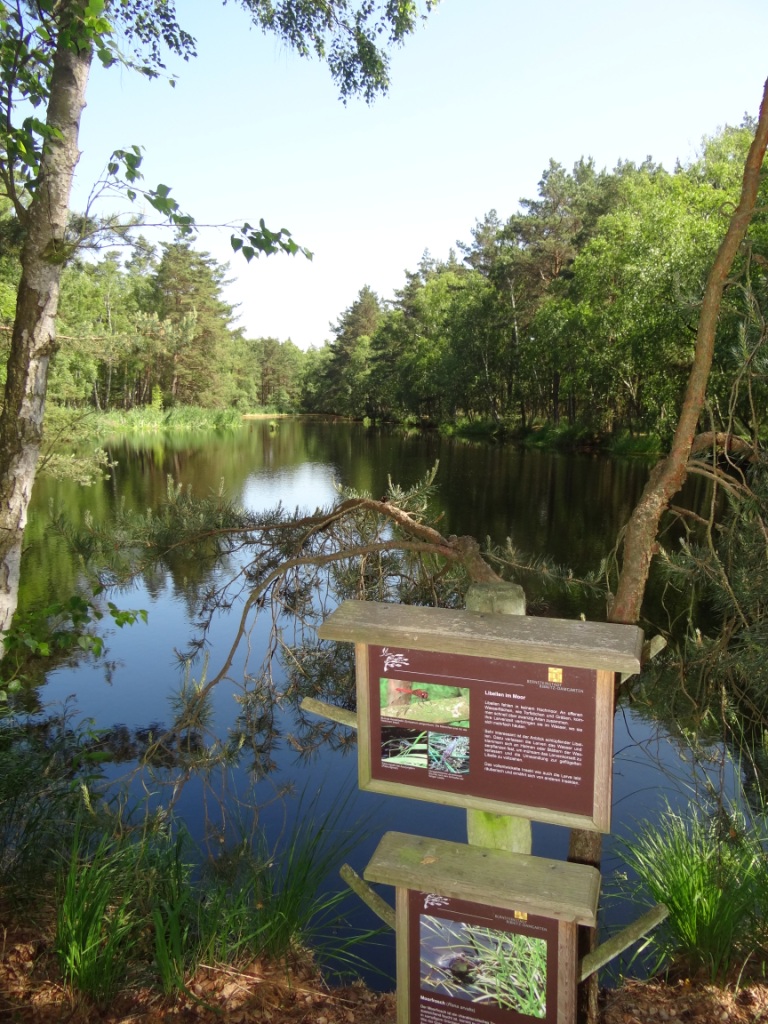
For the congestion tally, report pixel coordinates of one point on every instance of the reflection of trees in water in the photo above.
(284, 572)
(154, 744)
(280, 573)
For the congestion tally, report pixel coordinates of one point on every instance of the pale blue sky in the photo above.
(482, 96)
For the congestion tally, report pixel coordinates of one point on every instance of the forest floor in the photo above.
(31, 992)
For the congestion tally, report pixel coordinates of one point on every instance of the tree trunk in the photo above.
(668, 476)
(33, 340)
(556, 398)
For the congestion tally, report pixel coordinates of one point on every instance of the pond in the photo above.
(569, 508)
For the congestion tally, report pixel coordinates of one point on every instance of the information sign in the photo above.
(480, 964)
(497, 730)
(501, 713)
(484, 936)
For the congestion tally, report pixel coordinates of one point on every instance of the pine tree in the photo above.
(195, 325)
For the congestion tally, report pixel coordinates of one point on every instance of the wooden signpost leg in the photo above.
(499, 831)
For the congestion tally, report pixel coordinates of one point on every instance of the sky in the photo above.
(482, 96)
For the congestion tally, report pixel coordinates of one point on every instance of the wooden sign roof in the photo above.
(517, 881)
(593, 645)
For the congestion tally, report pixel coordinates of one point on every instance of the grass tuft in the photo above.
(712, 874)
(95, 926)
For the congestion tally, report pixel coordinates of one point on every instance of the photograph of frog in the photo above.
(406, 748)
(447, 753)
(484, 965)
(432, 703)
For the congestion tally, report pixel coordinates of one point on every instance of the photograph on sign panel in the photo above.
(448, 753)
(415, 701)
(406, 748)
(484, 966)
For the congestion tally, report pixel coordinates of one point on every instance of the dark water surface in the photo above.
(567, 507)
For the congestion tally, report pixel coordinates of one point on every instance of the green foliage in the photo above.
(40, 771)
(348, 38)
(710, 870)
(345, 385)
(272, 899)
(635, 444)
(148, 419)
(132, 901)
(173, 915)
(56, 630)
(580, 311)
(260, 241)
(156, 334)
(68, 451)
(345, 35)
(717, 644)
(29, 38)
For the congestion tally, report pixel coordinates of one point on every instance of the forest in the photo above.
(578, 312)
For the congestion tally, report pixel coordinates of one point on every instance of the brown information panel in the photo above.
(473, 963)
(484, 729)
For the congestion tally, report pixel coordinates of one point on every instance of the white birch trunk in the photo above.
(34, 340)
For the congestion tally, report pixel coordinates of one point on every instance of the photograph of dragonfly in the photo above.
(417, 701)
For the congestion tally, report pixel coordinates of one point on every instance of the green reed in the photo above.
(711, 871)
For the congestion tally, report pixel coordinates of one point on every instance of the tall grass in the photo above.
(711, 871)
(148, 418)
(136, 906)
(134, 898)
(635, 444)
(274, 900)
(559, 438)
(96, 928)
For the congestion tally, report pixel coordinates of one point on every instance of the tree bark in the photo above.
(34, 340)
(668, 475)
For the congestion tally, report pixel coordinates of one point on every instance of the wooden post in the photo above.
(498, 831)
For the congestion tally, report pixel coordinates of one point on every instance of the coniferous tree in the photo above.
(346, 383)
(195, 325)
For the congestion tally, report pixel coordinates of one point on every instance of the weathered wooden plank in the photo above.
(369, 896)
(567, 819)
(567, 969)
(364, 752)
(604, 714)
(330, 711)
(513, 881)
(403, 957)
(622, 940)
(598, 645)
